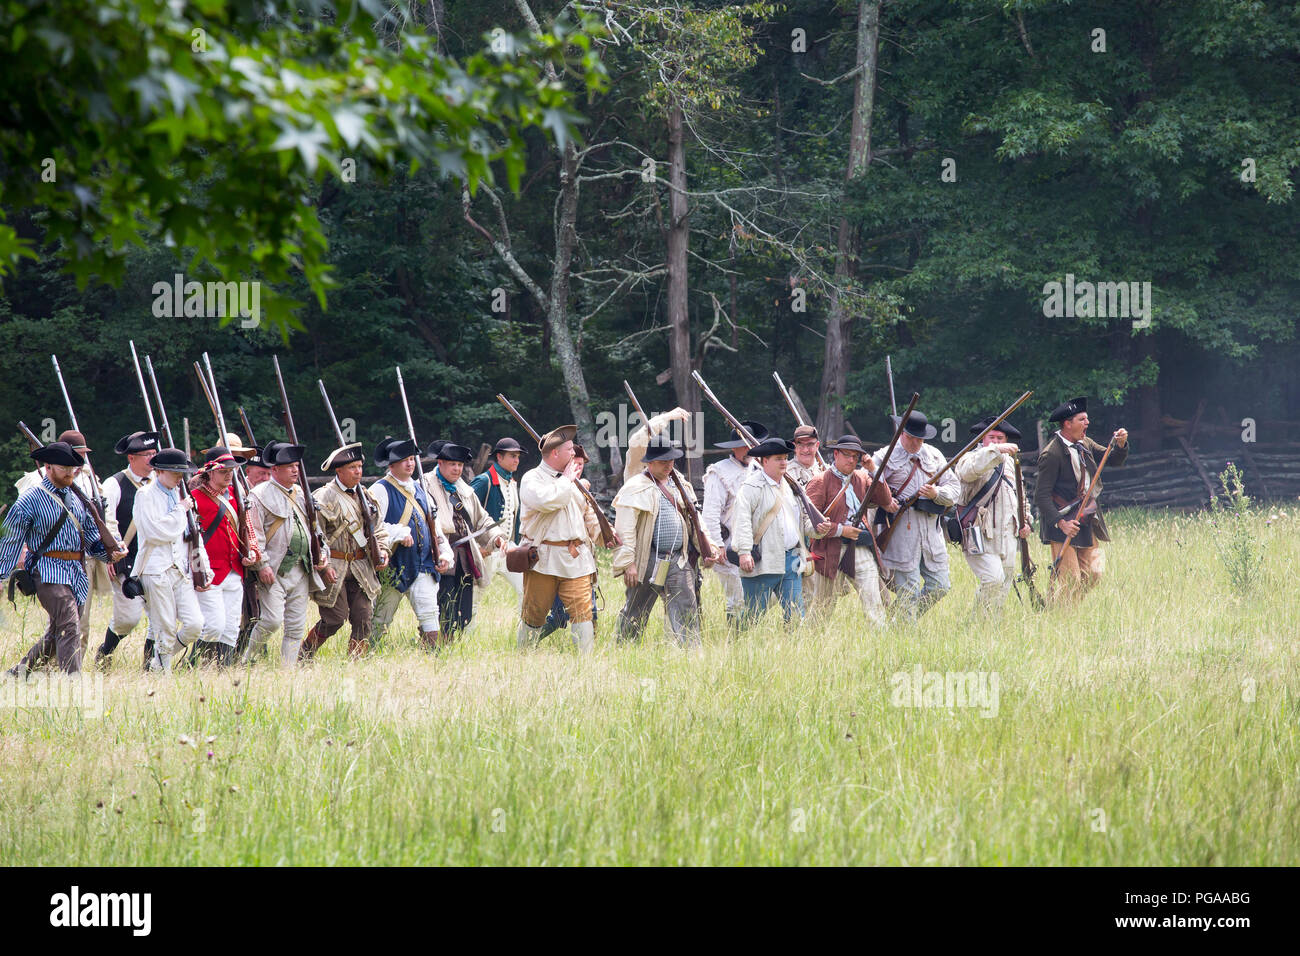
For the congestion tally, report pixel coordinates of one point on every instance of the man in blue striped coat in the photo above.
(59, 532)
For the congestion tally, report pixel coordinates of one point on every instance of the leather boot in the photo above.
(431, 640)
(311, 642)
(148, 654)
(357, 647)
(106, 649)
(225, 655)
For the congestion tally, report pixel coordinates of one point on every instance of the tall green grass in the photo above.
(1153, 724)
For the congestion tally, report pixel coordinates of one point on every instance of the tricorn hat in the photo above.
(557, 437)
(391, 450)
(281, 453)
(1005, 427)
(58, 453)
(918, 426)
(1068, 410)
(345, 455)
(757, 429)
(257, 460)
(662, 448)
(847, 443)
(75, 439)
(172, 459)
(772, 446)
(450, 451)
(137, 442)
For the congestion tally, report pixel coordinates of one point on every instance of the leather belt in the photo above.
(64, 555)
(356, 555)
(572, 544)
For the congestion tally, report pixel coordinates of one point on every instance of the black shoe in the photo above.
(106, 649)
(224, 655)
(148, 654)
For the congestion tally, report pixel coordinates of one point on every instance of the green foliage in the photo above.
(1236, 533)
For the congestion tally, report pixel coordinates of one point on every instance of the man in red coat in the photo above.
(222, 603)
(845, 556)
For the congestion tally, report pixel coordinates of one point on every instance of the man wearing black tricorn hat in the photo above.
(350, 597)
(285, 573)
(57, 528)
(472, 532)
(989, 513)
(119, 501)
(420, 552)
(1065, 467)
(916, 553)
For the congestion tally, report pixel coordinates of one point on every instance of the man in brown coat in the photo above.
(1065, 467)
(845, 556)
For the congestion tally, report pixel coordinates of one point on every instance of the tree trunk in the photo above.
(839, 323)
(679, 317)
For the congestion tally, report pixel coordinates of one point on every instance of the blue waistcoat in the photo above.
(408, 563)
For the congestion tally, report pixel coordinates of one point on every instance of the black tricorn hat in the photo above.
(392, 450)
(281, 453)
(848, 443)
(450, 451)
(918, 426)
(58, 453)
(345, 455)
(172, 459)
(1069, 409)
(1005, 427)
(662, 448)
(257, 460)
(757, 429)
(772, 446)
(137, 442)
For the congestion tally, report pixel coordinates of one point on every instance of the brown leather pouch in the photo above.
(521, 557)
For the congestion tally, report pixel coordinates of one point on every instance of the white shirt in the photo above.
(551, 509)
(1076, 456)
(788, 517)
(159, 524)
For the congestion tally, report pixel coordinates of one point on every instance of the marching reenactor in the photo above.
(552, 518)
(351, 595)
(58, 531)
(497, 489)
(1065, 467)
(989, 503)
(119, 514)
(770, 532)
(721, 481)
(99, 574)
(845, 555)
(916, 553)
(163, 561)
(421, 553)
(654, 557)
(559, 618)
(218, 511)
(286, 575)
(806, 464)
(472, 532)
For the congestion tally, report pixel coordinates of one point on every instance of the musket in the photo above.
(252, 603)
(1087, 497)
(606, 530)
(810, 509)
(889, 373)
(692, 515)
(316, 538)
(98, 496)
(144, 392)
(855, 520)
(794, 410)
(248, 429)
(185, 430)
(110, 541)
(883, 539)
(367, 520)
(198, 554)
(1027, 566)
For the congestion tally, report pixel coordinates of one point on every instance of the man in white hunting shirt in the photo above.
(551, 517)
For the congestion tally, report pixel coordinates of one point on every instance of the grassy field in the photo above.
(1155, 724)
